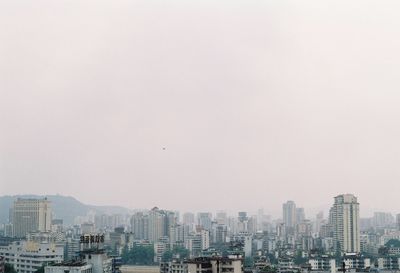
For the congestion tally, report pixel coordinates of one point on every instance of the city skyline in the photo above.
(309, 213)
(107, 243)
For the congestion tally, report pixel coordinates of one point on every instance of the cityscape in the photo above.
(35, 240)
(198, 136)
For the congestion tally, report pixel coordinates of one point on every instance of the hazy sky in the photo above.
(255, 102)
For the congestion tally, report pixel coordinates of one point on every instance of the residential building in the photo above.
(231, 264)
(345, 218)
(100, 261)
(204, 220)
(289, 214)
(69, 267)
(31, 215)
(28, 256)
(174, 266)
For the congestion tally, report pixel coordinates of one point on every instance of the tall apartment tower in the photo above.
(289, 214)
(344, 217)
(140, 226)
(398, 221)
(204, 220)
(156, 226)
(31, 215)
(300, 215)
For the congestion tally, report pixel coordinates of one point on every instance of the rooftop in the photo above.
(70, 263)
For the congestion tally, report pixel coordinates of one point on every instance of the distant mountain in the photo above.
(63, 207)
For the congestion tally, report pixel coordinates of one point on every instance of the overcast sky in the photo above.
(201, 105)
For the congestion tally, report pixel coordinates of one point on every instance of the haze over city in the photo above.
(234, 105)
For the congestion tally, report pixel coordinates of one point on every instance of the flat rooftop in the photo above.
(70, 263)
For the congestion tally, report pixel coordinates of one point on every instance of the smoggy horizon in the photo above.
(310, 212)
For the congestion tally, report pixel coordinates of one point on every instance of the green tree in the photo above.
(298, 259)
(125, 254)
(248, 262)
(167, 256)
(138, 255)
(272, 259)
(9, 268)
(269, 269)
(393, 243)
(181, 251)
(176, 251)
(40, 269)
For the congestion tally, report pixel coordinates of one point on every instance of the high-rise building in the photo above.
(156, 224)
(318, 221)
(300, 215)
(193, 244)
(31, 215)
(8, 230)
(205, 239)
(398, 221)
(177, 234)
(221, 218)
(260, 219)
(344, 216)
(188, 218)
(221, 233)
(139, 226)
(243, 221)
(382, 219)
(252, 224)
(289, 214)
(204, 220)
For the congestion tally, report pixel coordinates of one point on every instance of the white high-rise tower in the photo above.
(345, 218)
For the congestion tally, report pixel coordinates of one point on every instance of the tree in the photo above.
(125, 254)
(248, 262)
(269, 269)
(272, 259)
(40, 269)
(138, 255)
(176, 251)
(167, 256)
(393, 243)
(9, 268)
(181, 251)
(299, 259)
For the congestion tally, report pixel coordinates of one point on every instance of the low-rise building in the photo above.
(322, 264)
(356, 261)
(229, 264)
(69, 267)
(100, 261)
(174, 266)
(286, 265)
(388, 263)
(28, 256)
(88, 261)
